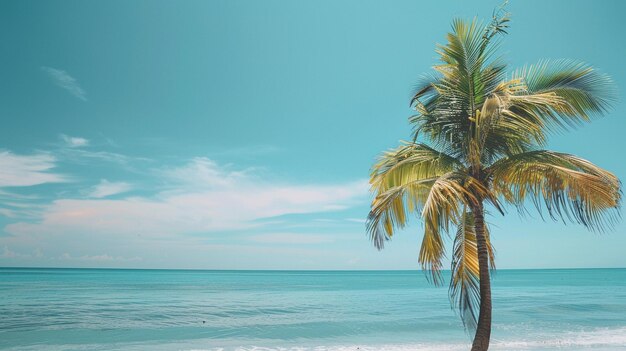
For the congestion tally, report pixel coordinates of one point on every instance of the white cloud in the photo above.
(65, 81)
(207, 198)
(106, 188)
(27, 170)
(188, 212)
(204, 173)
(189, 218)
(74, 141)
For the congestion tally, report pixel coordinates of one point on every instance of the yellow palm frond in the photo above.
(445, 205)
(401, 182)
(410, 162)
(389, 209)
(568, 186)
(512, 120)
(464, 284)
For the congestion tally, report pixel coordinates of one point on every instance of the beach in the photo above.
(89, 309)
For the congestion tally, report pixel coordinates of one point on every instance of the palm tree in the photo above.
(485, 134)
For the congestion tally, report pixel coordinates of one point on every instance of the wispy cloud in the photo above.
(19, 206)
(106, 188)
(66, 81)
(231, 200)
(203, 173)
(27, 170)
(83, 156)
(74, 141)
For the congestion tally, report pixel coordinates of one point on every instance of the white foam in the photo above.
(598, 338)
(606, 339)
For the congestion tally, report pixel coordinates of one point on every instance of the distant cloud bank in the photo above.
(180, 207)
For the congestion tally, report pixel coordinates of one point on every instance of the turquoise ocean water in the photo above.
(85, 309)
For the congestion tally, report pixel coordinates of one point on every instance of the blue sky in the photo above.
(239, 134)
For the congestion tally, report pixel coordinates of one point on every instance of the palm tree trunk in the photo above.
(483, 329)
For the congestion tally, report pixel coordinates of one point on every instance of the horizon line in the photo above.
(292, 270)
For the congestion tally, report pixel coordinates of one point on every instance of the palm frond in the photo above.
(569, 187)
(466, 76)
(464, 285)
(499, 21)
(447, 199)
(401, 181)
(583, 91)
(389, 209)
(510, 120)
(409, 162)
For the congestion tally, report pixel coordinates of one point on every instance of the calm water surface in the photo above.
(85, 309)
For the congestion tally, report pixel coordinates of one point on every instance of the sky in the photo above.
(239, 134)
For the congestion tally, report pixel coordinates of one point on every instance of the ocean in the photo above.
(107, 309)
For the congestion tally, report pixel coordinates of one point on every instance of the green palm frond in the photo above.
(499, 21)
(584, 91)
(568, 186)
(424, 91)
(466, 76)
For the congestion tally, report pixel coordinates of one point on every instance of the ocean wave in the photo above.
(605, 338)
